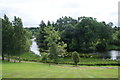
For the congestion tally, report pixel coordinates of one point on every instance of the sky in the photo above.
(33, 11)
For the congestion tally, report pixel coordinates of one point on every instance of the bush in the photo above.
(101, 46)
(44, 57)
(75, 57)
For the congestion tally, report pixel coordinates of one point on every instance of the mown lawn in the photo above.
(0, 69)
(89, 61)
(40, 70)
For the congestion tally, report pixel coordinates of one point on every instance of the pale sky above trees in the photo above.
(33, 11)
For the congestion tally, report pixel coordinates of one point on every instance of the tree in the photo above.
(53, 52)
(0, 35)
(21, 38)
(110, 24)
(67, 36)
(42, 24)
(48, 23)
(51, 35)
(104, 36)
(61, 22)
(15, 39)
(42, 44)
(116, 38)
(32, 30)
(75, 57)
(7, 37)
(85, 34)
(90, 34)
(56, 48)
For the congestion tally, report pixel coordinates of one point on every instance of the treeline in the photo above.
(15, 39)
(33, 30)
(60, 38)
(84, 34)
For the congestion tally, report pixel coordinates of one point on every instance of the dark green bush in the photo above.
(101, 46)
(75, 57)
(44, 57)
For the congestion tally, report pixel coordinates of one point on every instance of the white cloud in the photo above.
(33, 11)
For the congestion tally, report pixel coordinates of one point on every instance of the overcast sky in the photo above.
(33, 11)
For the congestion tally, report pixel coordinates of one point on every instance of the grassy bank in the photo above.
(34, 70)
(86, 61)
(113, 47)
(83, 61)
(26, 56)
(29, 56)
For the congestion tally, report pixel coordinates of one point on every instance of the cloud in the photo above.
(33, 11)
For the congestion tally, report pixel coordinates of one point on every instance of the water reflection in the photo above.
(34, 47)
(113, 54)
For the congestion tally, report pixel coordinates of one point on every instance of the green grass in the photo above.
(88, 61)
(0, 69)
(28, 56)
(113, 47)
(34, 70)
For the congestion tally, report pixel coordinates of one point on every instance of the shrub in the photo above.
(75, 57)
(101, 46)
(44, 57)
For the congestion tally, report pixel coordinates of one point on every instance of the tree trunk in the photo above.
(3, 57)
(19, 59)
(8, 58)
(14, 61)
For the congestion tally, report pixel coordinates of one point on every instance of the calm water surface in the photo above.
(113, 54)
(34, 47)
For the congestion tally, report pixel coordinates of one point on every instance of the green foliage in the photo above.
(33, 30)
(116, 38)
(52, 35)
(101, 46)
(67, 36)
(75, 57)
(83, 35)
(27, 56)
(44, 57)
(21, 37)
(7, 35)
(42, 44)
(61, 49)
(16, 39)
(56, 48)
(53, 52)
(90, 33)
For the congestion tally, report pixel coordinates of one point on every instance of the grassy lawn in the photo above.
(89, 61)
(0, 69)
(34, 70)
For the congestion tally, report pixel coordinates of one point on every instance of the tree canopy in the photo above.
(84, 34)
(15, 39)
